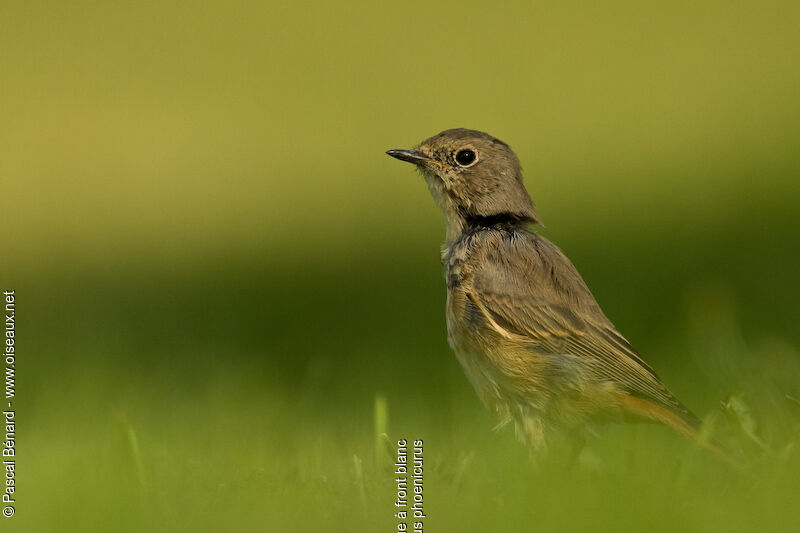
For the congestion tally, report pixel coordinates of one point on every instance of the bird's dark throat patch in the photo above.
(497, 221)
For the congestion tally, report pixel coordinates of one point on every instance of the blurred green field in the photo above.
(218, 269)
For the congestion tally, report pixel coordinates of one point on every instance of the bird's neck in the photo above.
(460, 226)
(494, 221)
(455, 226)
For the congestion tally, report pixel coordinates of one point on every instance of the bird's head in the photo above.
(472, 176)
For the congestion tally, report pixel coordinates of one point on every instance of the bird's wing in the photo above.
(528, 287)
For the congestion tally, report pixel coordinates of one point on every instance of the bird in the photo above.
(528, 332)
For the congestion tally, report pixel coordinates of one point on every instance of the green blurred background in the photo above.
(218, 269)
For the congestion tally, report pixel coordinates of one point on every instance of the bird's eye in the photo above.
(466, 157)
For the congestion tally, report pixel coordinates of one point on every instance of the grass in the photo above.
(156, 405)
(249, 461)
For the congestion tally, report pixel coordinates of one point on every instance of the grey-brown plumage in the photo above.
(528, 332)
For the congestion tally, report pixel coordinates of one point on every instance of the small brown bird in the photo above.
(528, 332)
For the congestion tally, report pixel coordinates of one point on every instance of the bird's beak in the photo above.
(412, 156)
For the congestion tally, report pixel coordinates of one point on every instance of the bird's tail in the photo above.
(686, 424)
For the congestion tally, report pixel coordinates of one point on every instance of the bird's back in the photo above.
(532, 338)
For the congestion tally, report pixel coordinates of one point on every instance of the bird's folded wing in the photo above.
(532, 290)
